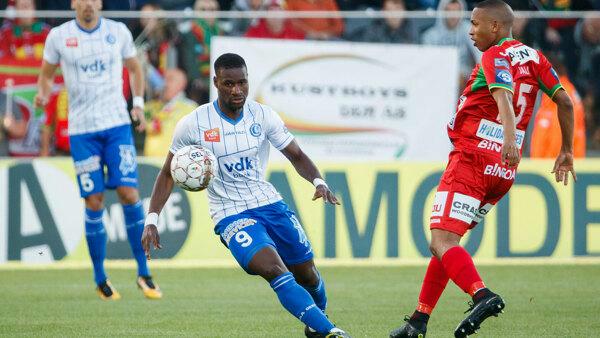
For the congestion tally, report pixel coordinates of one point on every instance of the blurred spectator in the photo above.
(587, 36)
(546, 136)
(163, 114)
(355, 5)
(389, 29)
(55, 136)
(454, 31)
(156, 38)
(317, 28)
(241, 25)
(274, 28)
(559, 33)
(195, 50)
(24, 38)
(12, 124)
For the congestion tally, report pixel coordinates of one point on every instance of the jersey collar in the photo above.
(225, 117)
(89, 31)
(504, 40)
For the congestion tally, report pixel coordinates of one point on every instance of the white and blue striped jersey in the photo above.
(242, 151)
(92, 66)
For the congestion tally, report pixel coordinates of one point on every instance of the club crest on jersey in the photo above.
(255, 129)
(212, 135)
(503, 76)
(110, 39)
(71, 42)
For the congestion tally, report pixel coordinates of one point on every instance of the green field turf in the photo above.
(542, 301)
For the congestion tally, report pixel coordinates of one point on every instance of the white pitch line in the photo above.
(321, 262)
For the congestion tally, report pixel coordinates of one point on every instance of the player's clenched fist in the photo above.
(40, 101)
(510, 154)
(150, 237)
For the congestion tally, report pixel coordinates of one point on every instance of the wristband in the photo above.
(319, 181)
(138, 102)
(152, 218)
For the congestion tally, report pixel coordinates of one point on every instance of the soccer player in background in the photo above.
(91, 51)
(263, 235)
(487, 132)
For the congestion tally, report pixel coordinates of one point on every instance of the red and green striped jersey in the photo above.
(509, 65)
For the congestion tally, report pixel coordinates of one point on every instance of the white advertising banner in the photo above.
(354, 101)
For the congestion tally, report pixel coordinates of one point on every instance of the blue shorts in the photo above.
(112, 148)
(275, 225)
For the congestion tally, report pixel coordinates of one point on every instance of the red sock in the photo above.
(433, 285)
(460, 268)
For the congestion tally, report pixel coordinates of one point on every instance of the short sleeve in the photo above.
(547, 77)
(186, 133)
(496, 68)
(128, 48)
(51, 53)
(276, 132)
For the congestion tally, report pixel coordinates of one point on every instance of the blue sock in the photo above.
(299, 303)
(95, 234)
(134, 222)
(318, 294)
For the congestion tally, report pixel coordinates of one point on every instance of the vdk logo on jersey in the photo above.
(245, 163)
(94, 69)
(212, 135)
(255, 129)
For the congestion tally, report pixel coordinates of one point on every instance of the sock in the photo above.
(433, 286)
(134, 222)
(460, 268)
(95, 234)
(299, 303)
(318, 294)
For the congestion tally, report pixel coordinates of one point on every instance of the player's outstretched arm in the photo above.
(160, 193)
(564, 162)
(510, 151)
(44, 84)
(308, 170)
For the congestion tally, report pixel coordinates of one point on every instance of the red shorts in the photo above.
(471, 185)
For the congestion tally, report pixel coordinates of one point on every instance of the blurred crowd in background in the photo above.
(176, 57)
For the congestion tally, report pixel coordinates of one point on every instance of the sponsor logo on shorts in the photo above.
(499, 171)
(212, 135)
(481, 212)
(236, 226)
(494, 132)
(88, 165)
(439, 204)
(464, 207)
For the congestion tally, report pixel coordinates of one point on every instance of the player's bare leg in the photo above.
(295, 299)
(308, 276)
(134, 223)
(459, 267)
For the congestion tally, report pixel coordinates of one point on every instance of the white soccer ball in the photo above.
(193, 167)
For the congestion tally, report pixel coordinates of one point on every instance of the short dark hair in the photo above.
(229, 61)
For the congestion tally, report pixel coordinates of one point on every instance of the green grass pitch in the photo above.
(542, 301)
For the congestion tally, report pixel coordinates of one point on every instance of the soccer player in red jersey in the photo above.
(487, 132)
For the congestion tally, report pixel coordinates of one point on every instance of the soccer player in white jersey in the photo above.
(250, 217)
(91, 51)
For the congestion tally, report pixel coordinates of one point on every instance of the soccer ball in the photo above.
(193, 167)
